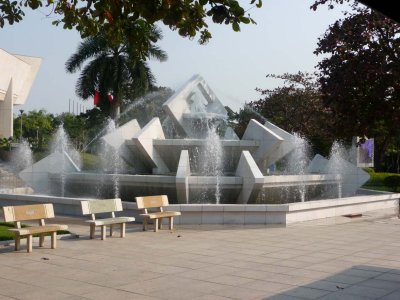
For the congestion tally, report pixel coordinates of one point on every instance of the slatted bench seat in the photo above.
(156, 202)
(38, 212)
(94, 207)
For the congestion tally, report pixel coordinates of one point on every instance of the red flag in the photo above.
(110, 97)
(96, 97)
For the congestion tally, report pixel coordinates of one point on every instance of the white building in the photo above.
(17, 73)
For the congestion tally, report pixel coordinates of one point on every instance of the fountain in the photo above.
(22, 158)
(210, 174)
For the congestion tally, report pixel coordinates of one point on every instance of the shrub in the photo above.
(393, 182)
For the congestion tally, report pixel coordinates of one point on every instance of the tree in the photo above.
(120, 70)
(116, 17)
(37, 127)
(388, 8)
(295, 107)
(359, 77)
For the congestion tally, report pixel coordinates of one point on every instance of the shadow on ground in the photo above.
(356, 283)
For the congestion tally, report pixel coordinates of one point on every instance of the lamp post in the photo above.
(20, 135)
(37, 137)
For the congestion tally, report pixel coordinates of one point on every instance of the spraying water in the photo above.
(299, 160)
(250, 109)
(22, 157)
(136, 103)
(212, 158)
(337, 154)
(111, 160)
(62, 144)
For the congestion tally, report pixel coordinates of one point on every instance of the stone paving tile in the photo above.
(341, 296)
(389, 286)
(196, 274)
(273, 268)
(368, 274)
(291, 263)
(209, 296)
(268, 286)
(39, 294)
(11, 288)
(389, 277)
(327, 285)
(282, 297)
(230, 280)
(392, 296)
(242, 293)
(373, 268)
(365, 291)
(106, 293)
(255, 274)
(327, 267)
(306, 293)
(339, 278)
(312, 274)
(73, 297)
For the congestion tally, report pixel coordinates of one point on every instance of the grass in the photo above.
(6, 235)
(376, 181)
(90, 162)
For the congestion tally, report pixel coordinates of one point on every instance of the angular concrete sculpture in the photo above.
(269, 141)
(144, 141)
(117, 140)
(203, 160)
(182, 178)
(253, 179)
(191, 105)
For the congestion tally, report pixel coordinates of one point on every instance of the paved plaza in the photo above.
(337, 258)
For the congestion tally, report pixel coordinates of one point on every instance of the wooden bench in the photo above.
(28, 213)
(93, 207)
(156, 202)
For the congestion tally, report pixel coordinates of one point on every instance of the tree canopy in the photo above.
(118, 71)
(359, 76)
(188, 17)
(296, 106)
(36, 127)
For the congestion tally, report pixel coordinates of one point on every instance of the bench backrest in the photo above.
(28, 212)
(101, 206)
(152, 201)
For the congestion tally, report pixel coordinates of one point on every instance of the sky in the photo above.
(232, 63)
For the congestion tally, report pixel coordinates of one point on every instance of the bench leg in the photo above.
(92, 231)
(17, 242)
(122, 229)
(54, 240)
(171, 223)
(111, 229)
(144, 224)
(160, 224)
(41, 240)
(103, 232)
(29, 243)
(155, 225)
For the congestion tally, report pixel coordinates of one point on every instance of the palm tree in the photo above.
(120, 70)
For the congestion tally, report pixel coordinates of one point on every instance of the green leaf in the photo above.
(235, 26)
(245, 20)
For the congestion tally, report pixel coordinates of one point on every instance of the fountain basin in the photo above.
(235, 213)
(200, 189)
